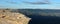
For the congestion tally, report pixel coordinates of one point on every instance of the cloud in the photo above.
(36, 2)
(10, 1)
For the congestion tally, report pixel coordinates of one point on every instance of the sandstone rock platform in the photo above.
(8, 17)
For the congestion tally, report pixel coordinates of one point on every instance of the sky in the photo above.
(19, 4)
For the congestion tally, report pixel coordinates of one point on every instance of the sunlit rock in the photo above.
(8, 17)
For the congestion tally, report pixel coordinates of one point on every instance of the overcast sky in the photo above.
(19, 4)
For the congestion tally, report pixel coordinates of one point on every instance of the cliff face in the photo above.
(8, 17)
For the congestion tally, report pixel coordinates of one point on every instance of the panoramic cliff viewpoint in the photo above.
(9, 17)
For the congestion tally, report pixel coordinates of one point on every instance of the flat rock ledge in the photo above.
(8, 17)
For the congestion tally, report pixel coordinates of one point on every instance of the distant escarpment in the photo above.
(42, 12)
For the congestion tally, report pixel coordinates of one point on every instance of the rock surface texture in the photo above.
(8, 17)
